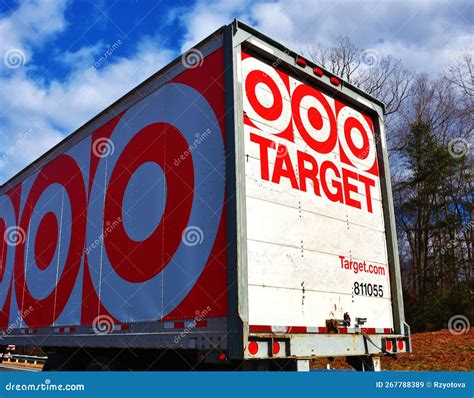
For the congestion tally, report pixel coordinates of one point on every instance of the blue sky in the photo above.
(50, 83)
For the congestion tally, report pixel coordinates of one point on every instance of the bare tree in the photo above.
(433, 199)
(461, 73)
(384, 77)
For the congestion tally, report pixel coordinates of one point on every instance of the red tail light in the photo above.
(276, 347)
(334, 80)
(318, 72)
(301, 62)
(253, 347)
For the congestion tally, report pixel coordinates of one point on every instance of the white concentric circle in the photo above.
(306, 104)
(7, 215)
(41, 282)
(368, 161)
(188, 111)
(265, 97)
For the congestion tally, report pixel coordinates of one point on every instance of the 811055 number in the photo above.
(367, 289)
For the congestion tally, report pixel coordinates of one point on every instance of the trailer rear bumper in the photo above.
(307, 346)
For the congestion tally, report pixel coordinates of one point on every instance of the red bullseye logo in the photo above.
(147, 146)
(359, 150)
(314, 119)
(274, 106)
(356, 140)
(160, 181)
(64, 172)
(267, 100)
(108, 227)
(281, 105)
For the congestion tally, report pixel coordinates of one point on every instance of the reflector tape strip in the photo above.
(297, 329)
(261, 329)
(65, 329)
(314, 329)
(121, 327)
(185, 324)
(29, 331)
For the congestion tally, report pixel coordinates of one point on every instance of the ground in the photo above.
(431, 351)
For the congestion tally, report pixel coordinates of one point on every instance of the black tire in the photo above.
(58, 361)
(99, 364)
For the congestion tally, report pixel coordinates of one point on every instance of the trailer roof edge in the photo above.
(241, 25)
(16, 178)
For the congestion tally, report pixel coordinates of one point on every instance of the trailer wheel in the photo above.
(364, 363)
(62, 360)
(100, 363)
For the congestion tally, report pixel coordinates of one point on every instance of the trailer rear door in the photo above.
(316, 243)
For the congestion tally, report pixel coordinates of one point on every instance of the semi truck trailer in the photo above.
(233, 211)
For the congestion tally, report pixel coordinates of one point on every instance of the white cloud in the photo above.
(83, 56)
(206, 17)
(426, 35)
(31, 24)
(36, 115)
